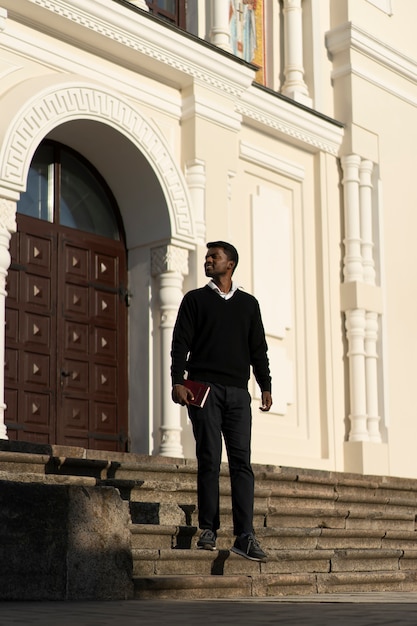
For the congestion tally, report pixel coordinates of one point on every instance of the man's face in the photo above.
(217, 263)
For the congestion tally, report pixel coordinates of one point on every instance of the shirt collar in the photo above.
(225, 296)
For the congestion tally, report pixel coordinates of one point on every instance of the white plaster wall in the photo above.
(375, 86)
(399, 278)
(265, 162)
(284, 224)
(250, 178)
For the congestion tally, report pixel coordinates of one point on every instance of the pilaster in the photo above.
(361, 300)
(195, 175)
(169, 265)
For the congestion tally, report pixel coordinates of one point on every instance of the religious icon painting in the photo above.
(246, 23)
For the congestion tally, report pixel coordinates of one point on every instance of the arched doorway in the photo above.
(66, 310)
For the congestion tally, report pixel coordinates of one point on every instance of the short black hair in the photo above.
(229, 249)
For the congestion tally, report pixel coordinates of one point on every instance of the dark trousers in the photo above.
(227, 411)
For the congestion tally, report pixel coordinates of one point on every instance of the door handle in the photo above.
(64, 374)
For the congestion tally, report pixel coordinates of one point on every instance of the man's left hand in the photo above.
(266, 401)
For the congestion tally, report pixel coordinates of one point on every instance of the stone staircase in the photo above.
(324, 532)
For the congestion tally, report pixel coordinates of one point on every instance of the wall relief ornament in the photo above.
(64, 103)
(8, 215)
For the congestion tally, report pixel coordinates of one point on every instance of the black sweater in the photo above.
(222, 339)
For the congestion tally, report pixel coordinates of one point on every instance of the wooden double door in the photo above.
(66, 338)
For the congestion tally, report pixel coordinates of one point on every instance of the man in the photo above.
(217, 337)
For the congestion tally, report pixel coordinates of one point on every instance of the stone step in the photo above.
(152, 512)
(192, 562)
(268, 585)
(301, 482)
(278, 486)
(50, 479)
(192, 586)
(351, 518)
(19, 462)
(350, 582)
(338, 486)
(184, 494)
(400, 540)
(185, 537)
(155, 536)
(170, 472)
(357, 515)
(225, 562)
(323, 531)
(363, 516)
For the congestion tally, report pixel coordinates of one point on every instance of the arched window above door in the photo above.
(65, 189)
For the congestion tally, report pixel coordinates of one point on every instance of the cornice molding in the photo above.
(131, 32)
(296, 125)
(139, 34)
(374, 79)
(210, 110)
(348, 36)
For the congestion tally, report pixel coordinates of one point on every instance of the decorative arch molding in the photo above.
(56, 104)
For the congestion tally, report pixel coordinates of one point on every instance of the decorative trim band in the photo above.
(144, 36)
(296, 125)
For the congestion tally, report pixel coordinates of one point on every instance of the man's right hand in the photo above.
(181, 395)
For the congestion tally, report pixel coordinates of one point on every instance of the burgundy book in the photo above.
(199, 390)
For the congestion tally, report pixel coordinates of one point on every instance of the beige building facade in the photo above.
(302, 156)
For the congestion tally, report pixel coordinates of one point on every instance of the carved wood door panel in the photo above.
(66, 327)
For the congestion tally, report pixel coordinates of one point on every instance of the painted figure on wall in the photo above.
(242, 20)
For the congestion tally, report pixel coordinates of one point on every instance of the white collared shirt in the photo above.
(225, 296)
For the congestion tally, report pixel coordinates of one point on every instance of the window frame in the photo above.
(54, 197)
(178, 18)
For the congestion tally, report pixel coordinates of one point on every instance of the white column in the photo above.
(353, 268)
(355, 317)
(362, 324)
(362, 302)
(367, 243)
(195, 176)
(219, 31)
(372, 317)
(371, 372)
(7, 226)
(170, 265)
(294, 86)
(355, 327)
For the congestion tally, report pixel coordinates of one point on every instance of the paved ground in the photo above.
(353, 609)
